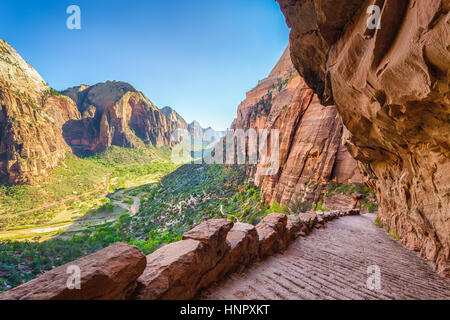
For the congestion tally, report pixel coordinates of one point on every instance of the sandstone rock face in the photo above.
(174, 117)
(311, 145)
(109, 274)
(293, 227)
(173, 271)
(38, 126)
(309, 218)
(213, 233)
(31, 121)
(115, 113)
(244, 244)
(271, 232)
(178, 270)
(391, 88)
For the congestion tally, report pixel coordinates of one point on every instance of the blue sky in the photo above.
(198, 56)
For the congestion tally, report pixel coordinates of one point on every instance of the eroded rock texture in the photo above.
(311, 148)
(109, 274)
(391, 88)
(31, 121)
(176, 271)
(174, 117)
(115, 113)
(39, 126)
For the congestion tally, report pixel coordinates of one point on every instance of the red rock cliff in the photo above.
(391, 88)
(115, 113)
(311, 148)
(39, 126)
(31, 121)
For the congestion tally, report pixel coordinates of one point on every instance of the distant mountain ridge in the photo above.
(31, 120)
(174, 117)
(311, 151)
(115, 113)
(39, 126)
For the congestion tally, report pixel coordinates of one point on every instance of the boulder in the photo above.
(309, 218)
(293, 228)
(244, 243)
(212, 233)
(311, 146)
(244, 249)
(109, 274)
(354, 212)
(178, 270)
(320, 221)
(271, 232)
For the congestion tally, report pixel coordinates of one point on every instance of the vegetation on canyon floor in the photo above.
(367, 195)
(78, 184)
(169, 208)
(173, 199)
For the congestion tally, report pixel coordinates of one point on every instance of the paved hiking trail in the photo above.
(332, 263)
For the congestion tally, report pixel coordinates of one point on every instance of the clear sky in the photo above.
(198, 56)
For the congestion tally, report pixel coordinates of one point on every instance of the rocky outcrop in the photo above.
(39, 126)
(178, 270)
(31, 120)
(109, 274)
(115, 113)
(176, 120)
(269, 231)
(311, 145)
(209, 137)
(391, 88)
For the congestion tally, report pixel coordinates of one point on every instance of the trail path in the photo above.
(332, 263)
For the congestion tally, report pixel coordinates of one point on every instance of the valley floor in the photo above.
(143, 201)
(332, 263)
(122, 203)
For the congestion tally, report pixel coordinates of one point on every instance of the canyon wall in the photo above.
(31, 121)
(115, 113)
(391, 88)
(311, 146)
(39, 126)
(174, 117)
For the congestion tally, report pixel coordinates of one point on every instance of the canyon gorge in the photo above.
(364, 154)
(39, 125)
(311, 149)
(391, 89)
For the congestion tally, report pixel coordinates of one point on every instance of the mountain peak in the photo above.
(195, 124)
(18, 74)
(174, 117)
(101, 95)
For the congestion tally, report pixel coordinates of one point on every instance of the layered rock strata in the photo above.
(391, 88)
(31, 121)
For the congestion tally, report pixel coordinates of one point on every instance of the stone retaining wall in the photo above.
(176, 271)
